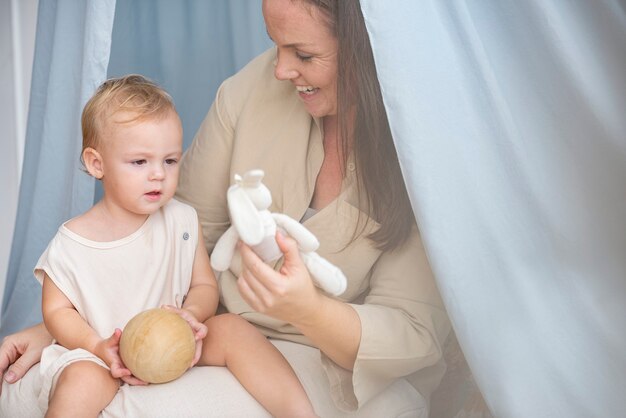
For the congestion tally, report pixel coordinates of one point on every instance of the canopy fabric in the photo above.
(71, 56)
(188, 47)
(509, 120)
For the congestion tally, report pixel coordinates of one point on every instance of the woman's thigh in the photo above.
(399, 400)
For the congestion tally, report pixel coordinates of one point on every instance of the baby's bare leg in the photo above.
(260, 368)
(83, 390)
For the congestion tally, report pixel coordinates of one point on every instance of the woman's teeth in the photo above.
(305, 89)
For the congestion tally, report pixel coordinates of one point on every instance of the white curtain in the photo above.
(71, 57)
(510, 121)
(17, 43)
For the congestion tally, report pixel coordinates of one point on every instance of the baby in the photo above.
(135, 249)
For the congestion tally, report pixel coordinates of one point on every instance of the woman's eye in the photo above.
(171, 161)
(138, 162)
(303, 57)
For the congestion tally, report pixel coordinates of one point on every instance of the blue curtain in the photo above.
(510, 121)
(71, 57)
(189, 47)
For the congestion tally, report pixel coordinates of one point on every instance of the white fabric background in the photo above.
(510, 121)
(71, 56)
(17, 43)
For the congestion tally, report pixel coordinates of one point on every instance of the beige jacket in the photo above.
(257, 121)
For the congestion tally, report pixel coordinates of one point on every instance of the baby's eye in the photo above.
(303, 57)
(138, 162)
(171, 161)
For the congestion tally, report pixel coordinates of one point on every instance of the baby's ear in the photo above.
(93, 162)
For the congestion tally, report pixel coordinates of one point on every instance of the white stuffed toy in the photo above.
(252, 222)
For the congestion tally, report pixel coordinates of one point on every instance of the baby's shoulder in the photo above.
(78, 225)
(177, 207)
(87, 226)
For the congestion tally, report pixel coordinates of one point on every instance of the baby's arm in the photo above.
(202, 297)
(71, 331)
(203, 294)
(63, 321)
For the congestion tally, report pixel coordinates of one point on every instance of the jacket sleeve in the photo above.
(205, 169)
(403, 325)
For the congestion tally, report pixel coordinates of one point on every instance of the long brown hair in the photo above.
(358, 92)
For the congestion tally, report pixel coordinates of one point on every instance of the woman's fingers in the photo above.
(18, 369)
(248, 295)
(267, 285)
(291, 253)
(256, 266)
(20, 351)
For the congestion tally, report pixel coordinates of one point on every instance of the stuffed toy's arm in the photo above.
(224, 250)
(307, 242)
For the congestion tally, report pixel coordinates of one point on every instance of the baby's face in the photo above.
(141, 162)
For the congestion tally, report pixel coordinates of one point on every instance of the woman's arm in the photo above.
(396, 331)
(289, 295)
(20, 351)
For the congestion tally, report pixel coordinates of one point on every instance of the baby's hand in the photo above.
(199, 329)
(108, 350)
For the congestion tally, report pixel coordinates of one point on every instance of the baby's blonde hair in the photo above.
(135, 94)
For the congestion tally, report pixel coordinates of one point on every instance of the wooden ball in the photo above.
(157, 346)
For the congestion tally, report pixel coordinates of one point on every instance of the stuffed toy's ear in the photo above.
(244, 216)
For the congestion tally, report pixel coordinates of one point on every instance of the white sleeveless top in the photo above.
(110, 282)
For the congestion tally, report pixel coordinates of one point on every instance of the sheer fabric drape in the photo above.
(189, 47)
(71, 56)
(509, 119)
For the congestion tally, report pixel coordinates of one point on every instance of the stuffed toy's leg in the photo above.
(326, 275)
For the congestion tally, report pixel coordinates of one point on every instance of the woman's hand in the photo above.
(288, 294)
(20, 351)
(199, 329)
(109, 351)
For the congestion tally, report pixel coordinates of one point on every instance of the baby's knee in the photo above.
(85, 373)
(228, 324)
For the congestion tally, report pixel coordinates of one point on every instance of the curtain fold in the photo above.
(188, 47)
(509, 122)
(71, 57)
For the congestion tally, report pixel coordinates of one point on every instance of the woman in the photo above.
(310, 114)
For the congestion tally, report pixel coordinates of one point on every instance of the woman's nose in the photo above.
(283, 70)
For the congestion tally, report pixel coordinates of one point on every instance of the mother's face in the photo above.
(307, 52)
